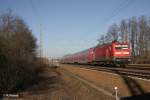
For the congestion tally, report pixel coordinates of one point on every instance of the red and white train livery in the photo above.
(109, 53)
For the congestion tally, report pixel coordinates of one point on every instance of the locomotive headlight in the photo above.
(129, 59)
(121, 52)
(125, 52)
(117, 52)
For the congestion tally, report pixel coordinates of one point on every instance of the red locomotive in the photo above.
(109, 53)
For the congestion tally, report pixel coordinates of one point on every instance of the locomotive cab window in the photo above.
(121, 47)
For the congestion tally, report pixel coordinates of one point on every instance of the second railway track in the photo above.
(143, 73)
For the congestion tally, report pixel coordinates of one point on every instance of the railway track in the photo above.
(143, 73)
(137, 66)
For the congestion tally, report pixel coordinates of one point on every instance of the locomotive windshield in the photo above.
(120, 47)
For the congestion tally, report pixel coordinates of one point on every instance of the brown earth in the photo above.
(126, 86)
(55, 84)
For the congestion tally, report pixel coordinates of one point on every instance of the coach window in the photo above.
(120, 47)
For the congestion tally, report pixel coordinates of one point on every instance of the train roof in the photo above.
(99, 45)
(83, 50)
(104, 44)
(78, 52)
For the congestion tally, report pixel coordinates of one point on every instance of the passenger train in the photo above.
(114, 53)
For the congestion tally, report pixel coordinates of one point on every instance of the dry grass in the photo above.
(81, 91)
(55, 84)
(126, 86)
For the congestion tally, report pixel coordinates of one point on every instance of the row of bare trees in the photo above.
(18, 65)
(135, 31)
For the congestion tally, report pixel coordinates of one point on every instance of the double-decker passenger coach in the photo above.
(109, 53)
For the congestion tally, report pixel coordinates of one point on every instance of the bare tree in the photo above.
(124, 31)
(113, 32)
(17, 53)
(133, 34)
(134, 31)
(101, 40)
(143, 32)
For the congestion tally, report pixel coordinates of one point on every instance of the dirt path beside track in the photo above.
(56, 84)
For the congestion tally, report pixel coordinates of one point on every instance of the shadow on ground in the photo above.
(43, 83)
(145, 96)
(135, 88)
(46, 83)
(1, 96)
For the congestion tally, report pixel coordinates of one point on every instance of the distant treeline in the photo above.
(136, 31)
(19, 65)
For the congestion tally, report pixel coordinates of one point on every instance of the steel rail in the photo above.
(140, 73)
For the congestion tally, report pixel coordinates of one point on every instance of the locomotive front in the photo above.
(121, 53)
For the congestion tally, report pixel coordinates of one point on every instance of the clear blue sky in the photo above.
(73, 25)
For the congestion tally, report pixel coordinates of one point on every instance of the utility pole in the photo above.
(41, 46)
